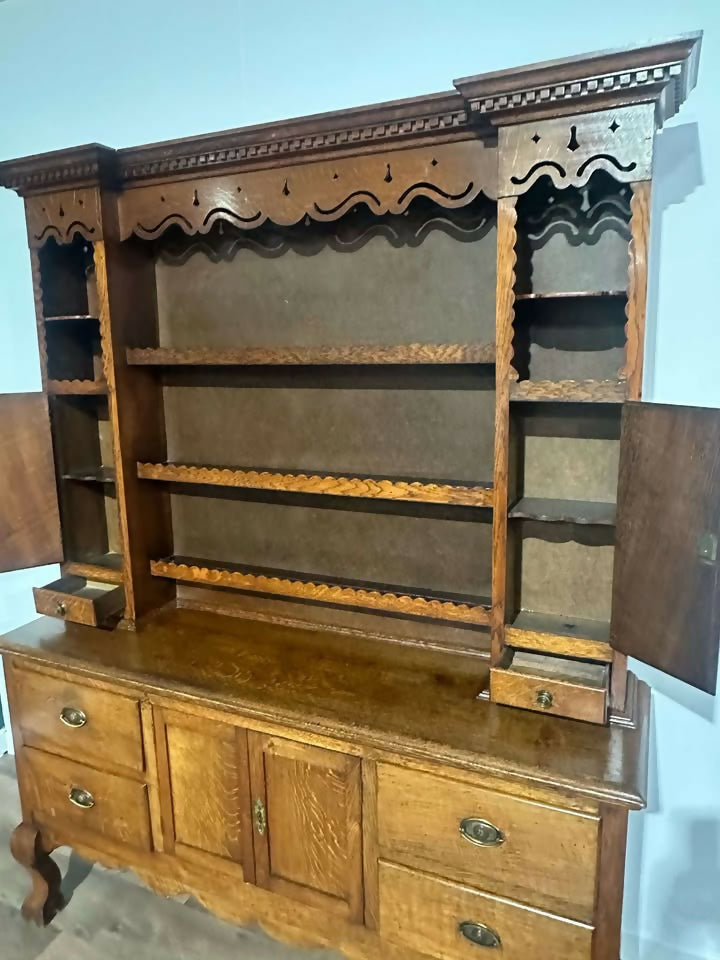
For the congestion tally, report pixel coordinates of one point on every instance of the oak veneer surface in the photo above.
(416, 702)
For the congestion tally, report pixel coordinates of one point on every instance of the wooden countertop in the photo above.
(421, 703)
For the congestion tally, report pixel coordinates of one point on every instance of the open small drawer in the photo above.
(559, 686)
(80, 600)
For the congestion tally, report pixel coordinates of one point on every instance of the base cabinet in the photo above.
(376, 855)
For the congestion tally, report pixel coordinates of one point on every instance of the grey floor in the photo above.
(112, 916)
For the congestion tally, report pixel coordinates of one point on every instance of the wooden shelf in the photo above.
(96, 475)
(71, 316)
(572, 295)
(410, 353)
(551, 633)
(548, 509)
(107, 567)
(570, 391)
(77, 387)
(286, 583)
(376, 488)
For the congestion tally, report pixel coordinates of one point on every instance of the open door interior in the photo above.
(29, 517)
(666, 597)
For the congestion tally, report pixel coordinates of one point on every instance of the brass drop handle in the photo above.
(260, 817)
(479, 934)
(81, 798)
(73, 717)
(544, 699)
(481, 832)
(60, 608)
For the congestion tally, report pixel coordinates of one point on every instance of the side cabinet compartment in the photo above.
(203, 770)
(307, 820)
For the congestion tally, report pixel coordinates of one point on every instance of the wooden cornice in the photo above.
(661, 72)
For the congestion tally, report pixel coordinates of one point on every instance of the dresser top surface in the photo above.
(419, 702)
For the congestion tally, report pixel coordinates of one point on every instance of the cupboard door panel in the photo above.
(666, 603)
(206, 799)
(307, 820)
(29, 516)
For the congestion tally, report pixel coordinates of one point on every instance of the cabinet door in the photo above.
(307, 819)
(666, 603)
(205, 793)
(29, 517)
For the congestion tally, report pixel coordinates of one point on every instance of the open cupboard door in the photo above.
(29, 516)
(666, 596)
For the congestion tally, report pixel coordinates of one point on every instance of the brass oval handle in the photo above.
(544, 699)
(81, 798)
(479, 934)
(481, 832)
(60, 608)
(260, 817)
(73, 717)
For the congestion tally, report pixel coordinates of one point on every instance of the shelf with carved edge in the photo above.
(552, 510)
(573, 295)
(569, 391)
(107, 568)
(91, 475)
(71, 316)
(562, 636)
(325, 484)
(411, 353)
(76, 387)
(286, 583)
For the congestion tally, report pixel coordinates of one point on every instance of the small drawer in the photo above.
(75, 797)
(454, 922)
(564, 688)
(528, 851)
(79, 600)
(76, 720)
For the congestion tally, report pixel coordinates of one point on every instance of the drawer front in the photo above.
(79, 798)
(454, 922)
(76, 720)
(79, 600)
(581, 693)
(540, 855)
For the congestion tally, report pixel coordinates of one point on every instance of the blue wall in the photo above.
(130, 72)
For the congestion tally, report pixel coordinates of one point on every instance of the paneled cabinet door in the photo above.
(204, 789)
(29, 517)
(307, 824)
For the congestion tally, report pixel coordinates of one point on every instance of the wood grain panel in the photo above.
(322, 356)
(424, 913)
(119, 806)
(584, 391)
(636, 306)
(311, 846)
(29, 518)
(666, 590)
(419, 817)
(204, 773)
(110, 738)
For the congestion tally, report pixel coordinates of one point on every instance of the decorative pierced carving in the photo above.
(336, 486)
(62, 215)
(321, 592)
(570, 151)
(322, 191)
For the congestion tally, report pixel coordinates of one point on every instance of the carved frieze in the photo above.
(452, 174)
(570, 149)
(61, 215)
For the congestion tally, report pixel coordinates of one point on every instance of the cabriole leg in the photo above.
(45, 899)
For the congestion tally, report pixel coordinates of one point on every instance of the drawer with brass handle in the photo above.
(525, 850)
(71, 797)
(456, 922)
(76, 720)
(82, 601)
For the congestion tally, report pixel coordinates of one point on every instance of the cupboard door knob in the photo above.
(544, 699)
(481, 832)
(479, 934)
(60, 608)
(81, 798)
(260, 816)
(73, 717)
